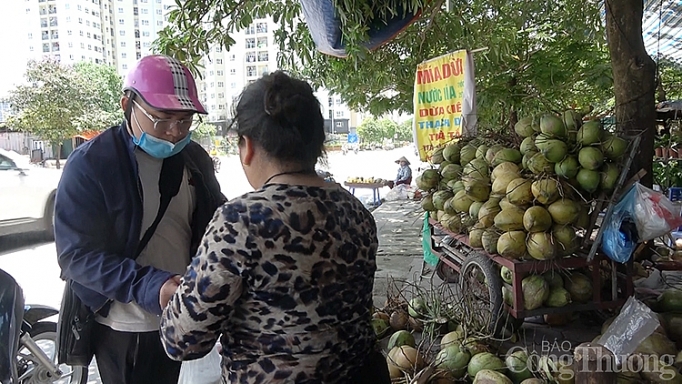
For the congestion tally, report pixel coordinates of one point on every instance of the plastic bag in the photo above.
(399, 192)
(620, 236)
(206, 370)
(635, 323)
(655, 214)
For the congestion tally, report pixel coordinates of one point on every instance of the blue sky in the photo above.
(12, 40)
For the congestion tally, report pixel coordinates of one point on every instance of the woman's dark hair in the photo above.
(283, 116)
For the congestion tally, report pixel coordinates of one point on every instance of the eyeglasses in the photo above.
(167, 125)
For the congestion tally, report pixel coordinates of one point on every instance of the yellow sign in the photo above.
(444, 101)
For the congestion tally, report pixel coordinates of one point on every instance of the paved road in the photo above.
(33, 263)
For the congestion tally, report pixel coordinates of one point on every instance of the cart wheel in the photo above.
(446, 273)
(480, 279)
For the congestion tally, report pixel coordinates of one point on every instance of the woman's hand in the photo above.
(168, 290)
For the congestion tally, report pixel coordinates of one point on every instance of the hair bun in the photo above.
(284, 100)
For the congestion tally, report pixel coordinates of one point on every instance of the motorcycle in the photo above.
(328, 177)
(24, 357)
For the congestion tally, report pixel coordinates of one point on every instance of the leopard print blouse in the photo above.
(284, 277)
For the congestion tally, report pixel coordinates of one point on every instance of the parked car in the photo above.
(27, 195)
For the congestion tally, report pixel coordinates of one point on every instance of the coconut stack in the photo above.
(525, 201)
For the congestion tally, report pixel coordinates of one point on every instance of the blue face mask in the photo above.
(158, 148)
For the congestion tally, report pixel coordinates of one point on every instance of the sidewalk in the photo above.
(400, 256)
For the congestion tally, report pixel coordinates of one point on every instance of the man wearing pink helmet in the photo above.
(131, 208)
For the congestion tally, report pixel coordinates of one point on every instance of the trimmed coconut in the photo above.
(526, 159)
(448, 208)
(512, 245)
(485, 360)
(428, 180)
(537, 219)
(437, 156)
(451, 171)
(567, 168)
(535, 292)
(427, 203)
(540, 246)
(590, 158)
(481, 150)
(541, 141)
(510, 219)
(564, 211)
(588, 180)
(546, 191)
(579, 286)
(519, 191)
(506, 274)
(501, 182)
(439, 199)
(486, 376)
(504, 203)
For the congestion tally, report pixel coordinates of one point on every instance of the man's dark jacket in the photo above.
(98, 219)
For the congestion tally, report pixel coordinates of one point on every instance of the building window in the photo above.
(123, 44)
(262, 56)
(159, 12)
(221, 95)
(251, 57)
(79, 7)
(54, 34)
(145, 33)
(124, 66)
(120, 10)
(124, 55)
(262, 42)
(233, 85)
(70, 44)
(220, 106)
(262, 27)
(69, 32)
(250, 71)
(43, 23)
(339, 114)
(81, 33)
(250, 30)
(121, 21)
(45, 35)
(159, 23)
(30, 48)
(145, 22)
(232, 57)
(145, 11)
(220, 73)
(212, 95)
(122, 32)
(219, 61)
(30, 36)
(89, 35)
(250, 43)
(330, 101)
(147, 44)
(46, 47)
(221, 84)
(80, 20)
(89, 47)
(331, 114)
(82, 45)
(87, 22)
(233, 71)
(68, 19)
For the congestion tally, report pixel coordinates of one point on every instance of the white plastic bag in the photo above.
(655, 215)
(399, 192)
(202, 371)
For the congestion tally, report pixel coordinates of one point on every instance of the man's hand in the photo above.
(167, 290)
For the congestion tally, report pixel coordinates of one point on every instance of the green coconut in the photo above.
(583, 220)
(564, 211)
(443, 164)
(429, 179)
(538, 164)
(670, 300)
(506, 274)
(524, 127)
(519, 191)
(492, 151)
(535, 291)
(553, 279)
(448, 208)
(510, 219)
(501, 182)
(476, 238)
(527, 145)
(489, 210)
(568, 167)
(450, 171)
(614, 147)
(453, 359)
(572, 120)
(400, 338)
(590, 133)
(456, 186)
(540, 246)
(478, 191)
(555, 150)
(590, 158)
(451, 153)
(553, 126)
(507, 155)
(504, 203)
(537, 219)
(474, 208)
(470, 222)
(476, 169)
(545, 191)
(517, 365)
(579, 286)
(481, 150)
(588, 180)
(489, 240)
(541, 141)
(427, 203)
(462, 202)
(381, 327)
(536, 123)
(439, 199)
(504, 169)
(526, 159)
(486, 376)
(467, 154)
(558, 297)
(609, 176)
(512, 245)
(437, 156)
(485, 360)
(565, 238)
(507, 296)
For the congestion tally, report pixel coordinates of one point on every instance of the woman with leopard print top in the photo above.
(284, 275)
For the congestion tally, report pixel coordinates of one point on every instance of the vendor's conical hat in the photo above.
(403, 158)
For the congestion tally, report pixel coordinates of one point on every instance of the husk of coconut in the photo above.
(512, 245)
(456, 185)
(567, 168)
(590, 133)
(481, 150)
(579, 286)
(540, 246)
(524, 127)
(487, 376)
(572, 120)
(564, 211)
(504, 168)
(510, 219)
(558, 297)
(614, 147)
(500, 184)
(538, 164)
(453, 223)
(428, 180)
(448, 207)
(462, 202)
(537, 219)
(519, 191)
(591, 158)
(439, 199)
(555, 150)
(450, 171)
(451, 153)
(541, 141)
(454, 359)
(475, 237)
(526, 158)
(527, 145)
(437, 156)
(517, 366)
(507, 155)
(566, 239)
(545, 191)
(488, 212)
(427, 203)
(553, 126)
(535, 292)
(489, 240)
(609, 176)
(474, 208)
(408, 358)
(492, 151)
(504, 203)
(588, 180)
(477, 169)
(467, 154)
(485, 360)
(478, 191)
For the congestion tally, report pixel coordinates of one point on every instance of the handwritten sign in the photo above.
(444, 101)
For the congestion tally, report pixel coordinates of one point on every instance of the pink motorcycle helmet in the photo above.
(165, 84)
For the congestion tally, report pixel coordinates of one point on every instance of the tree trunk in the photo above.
(634, 74)
(58, 156)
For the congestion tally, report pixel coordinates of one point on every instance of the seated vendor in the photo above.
(404, 172)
